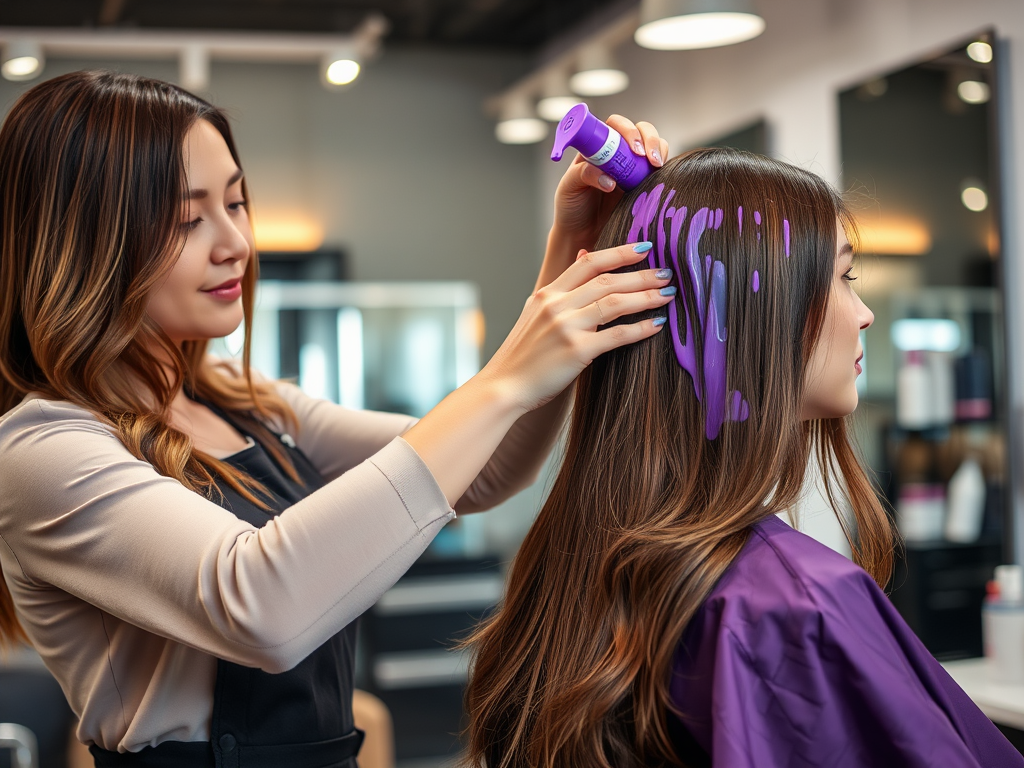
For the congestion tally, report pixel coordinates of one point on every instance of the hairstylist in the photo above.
(188, 545)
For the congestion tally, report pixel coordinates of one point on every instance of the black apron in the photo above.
(301, 718)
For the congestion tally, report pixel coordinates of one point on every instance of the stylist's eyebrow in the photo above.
(199, 194)
(846, 250)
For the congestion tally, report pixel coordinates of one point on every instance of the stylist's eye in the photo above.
(188, 226)
(848, 276)
(237, 206)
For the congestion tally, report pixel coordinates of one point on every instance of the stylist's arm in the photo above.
(557, 335)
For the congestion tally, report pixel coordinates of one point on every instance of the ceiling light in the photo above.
(556, 97)
(674, 25)
(973, 91)
(980, 51)
(519, 124)
(973, 195)
(341, 66)
(597, 74)
(23, 60)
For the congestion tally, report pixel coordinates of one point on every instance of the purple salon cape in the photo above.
(798, 659)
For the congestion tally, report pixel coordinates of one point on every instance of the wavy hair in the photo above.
(92, 175)
(647, 513)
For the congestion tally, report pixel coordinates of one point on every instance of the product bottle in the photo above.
(600, 145)
(943, 387)
(913, 393)
(1002, 626)
(966, 502)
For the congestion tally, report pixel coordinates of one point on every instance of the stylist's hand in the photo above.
(558, 333)
(586, 194)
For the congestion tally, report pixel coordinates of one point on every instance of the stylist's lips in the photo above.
(856, 364)
(228, 291)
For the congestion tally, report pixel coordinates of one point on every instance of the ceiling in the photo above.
(513, 25)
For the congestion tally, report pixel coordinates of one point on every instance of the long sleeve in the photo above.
(798, 659)
(79, 513)
(336, 438)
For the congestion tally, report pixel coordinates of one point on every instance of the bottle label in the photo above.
(607, 152)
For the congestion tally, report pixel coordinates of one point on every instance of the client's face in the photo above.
(830, 379)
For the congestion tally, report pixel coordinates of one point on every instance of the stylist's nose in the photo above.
(232, 243)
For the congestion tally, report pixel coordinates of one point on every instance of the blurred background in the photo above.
(397, 158)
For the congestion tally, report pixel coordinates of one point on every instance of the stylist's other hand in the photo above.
(559, 332)
(586, 194)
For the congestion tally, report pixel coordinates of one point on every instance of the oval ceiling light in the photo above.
(679, 25)
(519, 124)
(556, 98)
(341, 67)
(973, 195)
(973, 92)
(980, 51)
(23, 60)
(598, 74)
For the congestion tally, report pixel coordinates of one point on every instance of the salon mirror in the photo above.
(920, 159)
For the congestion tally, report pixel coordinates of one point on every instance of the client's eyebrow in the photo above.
(199, 194)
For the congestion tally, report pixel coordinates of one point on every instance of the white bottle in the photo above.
(966, 510)
(943, 387)
(913, 393)
(1002, 627)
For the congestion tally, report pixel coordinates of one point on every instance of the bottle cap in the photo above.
(1010, 579)
(581, 130)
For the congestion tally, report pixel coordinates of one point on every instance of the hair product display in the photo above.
(600, 145)
(966, 502)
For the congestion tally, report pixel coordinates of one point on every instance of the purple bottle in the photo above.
(600, 145)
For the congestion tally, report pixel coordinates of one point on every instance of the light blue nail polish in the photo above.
(663, 274)
(668, 290)
(659, 321)
(643, 247)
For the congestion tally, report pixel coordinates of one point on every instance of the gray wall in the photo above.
(402, 169)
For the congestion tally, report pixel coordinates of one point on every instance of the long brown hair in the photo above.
(647, 512)
(92, 174)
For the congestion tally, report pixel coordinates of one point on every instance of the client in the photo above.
(659, 611)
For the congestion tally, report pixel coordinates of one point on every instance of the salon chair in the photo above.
(36, 719)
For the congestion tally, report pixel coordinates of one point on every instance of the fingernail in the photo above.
(638, 147)
(606, 182)
(668, 290)
(643, 247)
(659, 321)
(663, 274)
(656, 157)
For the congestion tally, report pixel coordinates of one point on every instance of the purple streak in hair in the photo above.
(757, 218)
(755, 282)
(708, 279)
(714, 353)
(739, 218)
(785, 235)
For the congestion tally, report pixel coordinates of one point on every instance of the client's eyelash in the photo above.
(848, 277)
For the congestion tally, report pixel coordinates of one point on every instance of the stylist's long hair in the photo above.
(92, 178)
(647, 513)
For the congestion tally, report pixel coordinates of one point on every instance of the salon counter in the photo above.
(1002, 703)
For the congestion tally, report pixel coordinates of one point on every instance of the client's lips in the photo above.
(856, 363)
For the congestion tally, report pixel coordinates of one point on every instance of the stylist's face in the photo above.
(830, 380)
(201, 297)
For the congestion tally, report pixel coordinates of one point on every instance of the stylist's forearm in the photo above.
(456, 439)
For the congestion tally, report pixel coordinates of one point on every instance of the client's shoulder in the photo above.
(783, 570)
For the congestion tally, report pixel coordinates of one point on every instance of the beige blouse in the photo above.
(130, 586)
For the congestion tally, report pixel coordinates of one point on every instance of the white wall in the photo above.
(791, 75)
